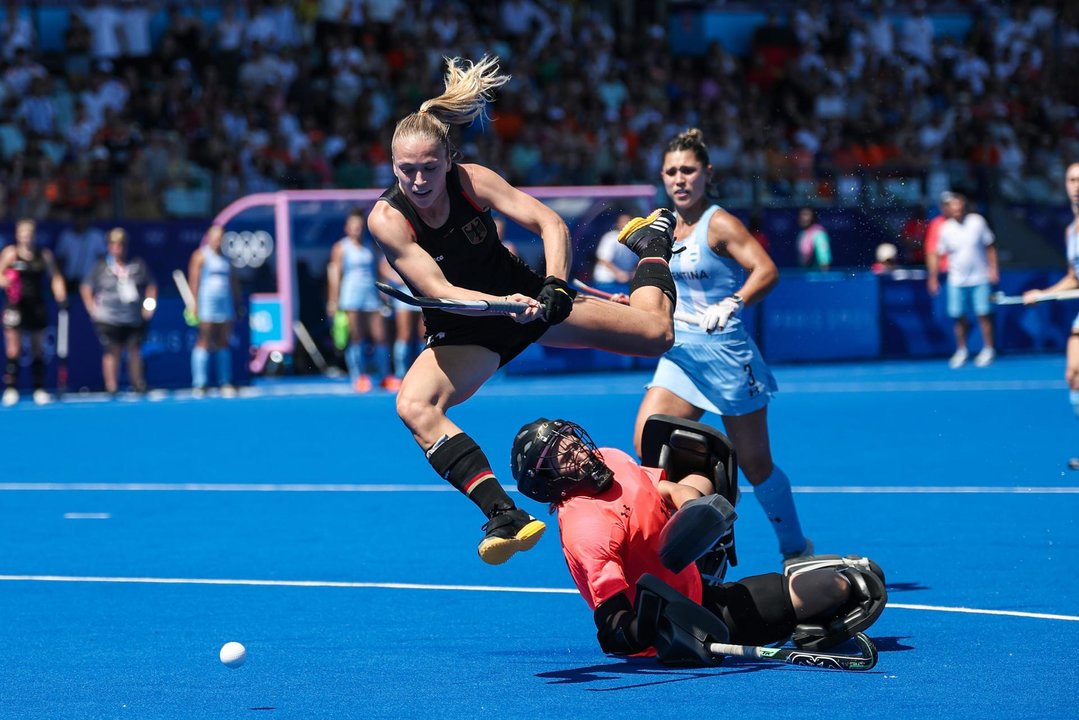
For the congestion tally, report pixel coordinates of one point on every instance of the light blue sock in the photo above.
(354, 361)
(200, 361)
(400, 357)
(382, 360)
(1074, 397)
(774, 496)
(224, 367)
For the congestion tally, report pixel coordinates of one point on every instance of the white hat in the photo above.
(886, 252)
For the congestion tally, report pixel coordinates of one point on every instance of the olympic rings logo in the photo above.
(246, 248)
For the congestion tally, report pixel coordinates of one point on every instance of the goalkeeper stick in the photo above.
(793, 656)
(1000, 298)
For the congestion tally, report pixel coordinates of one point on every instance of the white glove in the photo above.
(715, 317)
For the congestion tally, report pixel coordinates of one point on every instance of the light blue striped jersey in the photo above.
(703, 278)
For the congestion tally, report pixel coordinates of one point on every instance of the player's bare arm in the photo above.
(415, 264)
(194, 275)
(333, 278)
(728, 236)
(56, 280)
(491, 190)
(7, 257)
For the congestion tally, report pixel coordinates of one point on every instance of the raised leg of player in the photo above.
(439, 379)
(644, 327)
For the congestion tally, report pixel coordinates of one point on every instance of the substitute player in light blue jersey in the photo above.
(351, 277)
(216, 290)
(1069, 282)
(714, 365)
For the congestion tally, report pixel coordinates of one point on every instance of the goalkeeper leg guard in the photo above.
(868, 596)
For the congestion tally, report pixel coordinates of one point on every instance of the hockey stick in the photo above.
(684, 317)
(188, 297)
(61, 351)
(793, 656)
(999, 298)
(500, 307)
(309, 345)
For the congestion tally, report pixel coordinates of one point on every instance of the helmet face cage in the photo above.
(556, 459)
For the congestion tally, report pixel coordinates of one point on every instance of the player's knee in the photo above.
(660, 338)
(416, 412)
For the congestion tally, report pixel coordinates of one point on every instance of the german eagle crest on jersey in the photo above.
(475, 231)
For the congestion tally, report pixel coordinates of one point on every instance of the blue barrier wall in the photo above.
(857, 315)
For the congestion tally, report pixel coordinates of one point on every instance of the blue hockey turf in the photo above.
(139, 536)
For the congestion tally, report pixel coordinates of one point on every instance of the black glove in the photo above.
(556, 296)
(617, 628)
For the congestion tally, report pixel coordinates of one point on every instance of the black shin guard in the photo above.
(654, 272)
(460, 461)
(37, 372)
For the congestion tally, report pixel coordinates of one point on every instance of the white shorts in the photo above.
(359, 297)
(725, 375)
(215, 309)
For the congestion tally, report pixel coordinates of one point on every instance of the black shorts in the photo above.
(498, 333)
(120, 334)
(757, 609)
(28, 316)
(501, 335)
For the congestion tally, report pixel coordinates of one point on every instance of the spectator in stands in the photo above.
(615, 262)
(887, 255)
(814, 246)
(79, 248)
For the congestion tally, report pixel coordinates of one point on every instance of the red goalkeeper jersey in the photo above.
(610, 540)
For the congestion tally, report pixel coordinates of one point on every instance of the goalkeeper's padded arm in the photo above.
(618, 631)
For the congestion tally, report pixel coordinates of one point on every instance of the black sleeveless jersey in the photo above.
(468, 251)
(31, 277)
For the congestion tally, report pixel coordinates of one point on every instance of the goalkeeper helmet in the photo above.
(552, 460)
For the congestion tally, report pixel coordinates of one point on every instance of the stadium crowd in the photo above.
(156, 109)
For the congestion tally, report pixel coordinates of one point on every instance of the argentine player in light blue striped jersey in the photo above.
(715, 366)
(1070, 281)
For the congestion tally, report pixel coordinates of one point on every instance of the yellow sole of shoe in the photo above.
(495, 551)
(635, 224)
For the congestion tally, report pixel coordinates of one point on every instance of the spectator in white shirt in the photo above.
(968, 243)
(615, 262)
(106, 28)
(16, 31)
(916, 35)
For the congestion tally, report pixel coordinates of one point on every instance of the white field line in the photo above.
(389, 488)
(420, 586)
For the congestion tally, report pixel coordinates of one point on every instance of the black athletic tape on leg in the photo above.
(654, 272)
(37, 372)
(461, 461)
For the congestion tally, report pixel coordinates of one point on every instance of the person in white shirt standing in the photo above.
(970, 247)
